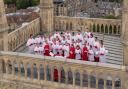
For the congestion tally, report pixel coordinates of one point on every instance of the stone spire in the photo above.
(125, 30)
(46, 14)
(3, 27)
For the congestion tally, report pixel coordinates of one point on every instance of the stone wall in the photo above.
(105, 26)
(28, 69)
(21, 35)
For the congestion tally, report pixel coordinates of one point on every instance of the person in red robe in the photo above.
(56, 76)
(46, 49)
(72, 52)
(85, 53)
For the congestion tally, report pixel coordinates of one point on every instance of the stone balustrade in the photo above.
(21, 35)
(72, 74)
(97, 25)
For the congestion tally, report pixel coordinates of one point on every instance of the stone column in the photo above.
(19, 69)
(97, 80)
(124, 34)
(38, 72)
(66, 77)
(81, 79)
(1, 65)
(25, 69)
(3, 28)
(105, 86)
(74, 77)
(113, 84)
(47, 15)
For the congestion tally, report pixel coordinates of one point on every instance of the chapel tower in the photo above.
(3, 28)
(46, 14)
(125, 30)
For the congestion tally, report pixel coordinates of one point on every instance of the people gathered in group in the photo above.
(79, 46)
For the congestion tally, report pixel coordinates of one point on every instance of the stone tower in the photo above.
(3, 28)
(125, 30)
(46, 14)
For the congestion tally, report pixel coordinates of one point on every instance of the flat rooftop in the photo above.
(112, 43)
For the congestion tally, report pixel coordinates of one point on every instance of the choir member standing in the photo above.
(66, 50)
(96, 47)
(37, 49)
(91, 54)
(78, 52)
(46, 49)
(102, 53)
(72, 52)
(30, 44)
(85, 53)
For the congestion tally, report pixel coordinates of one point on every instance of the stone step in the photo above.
(113, 45)
(115, 56)
(114, 62)
(113, 42)
(113, 48)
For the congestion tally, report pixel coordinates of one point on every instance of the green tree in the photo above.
(22, 4)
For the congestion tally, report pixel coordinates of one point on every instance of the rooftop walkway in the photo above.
(112, 43)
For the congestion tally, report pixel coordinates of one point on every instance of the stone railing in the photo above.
(71, 74)
(105, 26)
(20, 35)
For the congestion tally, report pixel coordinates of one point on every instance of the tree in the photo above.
(22, 4)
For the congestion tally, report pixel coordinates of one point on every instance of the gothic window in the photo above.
(101, 83)
(22, 69)
(110, 29)
(102, 28)
(115, 29)
(109, 84)
(35, 71)
(106, 29)
(94, 28)
(70, 77)
(41, 72)
(28, 70)
(85, 80)
(9, 65)
(119, 29)
(92, 81)
(98, 28)
(62, 76)
(77, 78)
(48, 73)
(117, 83)
(15, 64)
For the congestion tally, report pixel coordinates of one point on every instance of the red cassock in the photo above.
(85, 54)
(47, 50)
(56, 75)
(72, 53)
